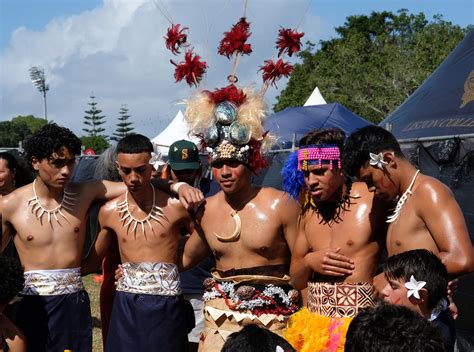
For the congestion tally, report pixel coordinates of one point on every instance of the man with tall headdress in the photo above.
(250, 230)
(340, 238)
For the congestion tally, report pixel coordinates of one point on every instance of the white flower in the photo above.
(414, 287)
(279, 349)
(377, 160)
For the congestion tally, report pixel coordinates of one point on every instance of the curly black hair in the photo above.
(11, 278)
(390, 328)
(49, 139)
(369, 139)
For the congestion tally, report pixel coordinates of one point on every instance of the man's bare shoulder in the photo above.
(18, 197)
(429, 189)
(359, 189)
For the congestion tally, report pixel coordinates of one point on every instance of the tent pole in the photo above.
(434, 139)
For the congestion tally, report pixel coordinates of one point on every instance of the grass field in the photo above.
(93, 289)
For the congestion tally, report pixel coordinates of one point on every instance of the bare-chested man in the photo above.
(148, 311)
(340, 238)
(250, 230)
(47, 221)
(426, 216)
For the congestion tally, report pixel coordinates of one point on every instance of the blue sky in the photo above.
(114, 49)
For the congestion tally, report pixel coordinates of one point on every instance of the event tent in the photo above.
(290, 124)
(176, 130)
(444, 104)
(315, 98)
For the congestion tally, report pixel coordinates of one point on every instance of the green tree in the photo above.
(33, 123)
(11, 134)
(124, 127)
(374, 63)
(97, 143)
(93, 119)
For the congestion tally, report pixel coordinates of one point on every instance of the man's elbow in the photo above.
(461, 264)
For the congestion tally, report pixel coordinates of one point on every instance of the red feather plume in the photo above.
(176, 38)
(257, 160)
(235, 39)
(288, 40)
(192, 69)
(230, 93)
(273, 71)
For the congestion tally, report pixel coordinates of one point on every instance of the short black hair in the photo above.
(324, 136)
(366, 140)
(50, 139)
(11, 278)
(253, 338)
(133, 144)
(390, 328)
(424, 266)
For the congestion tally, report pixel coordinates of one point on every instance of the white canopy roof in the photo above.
(315, 98)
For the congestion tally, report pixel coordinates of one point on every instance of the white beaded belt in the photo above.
(150, 278)
(52, 282)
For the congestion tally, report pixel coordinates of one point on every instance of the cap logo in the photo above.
(184, 154)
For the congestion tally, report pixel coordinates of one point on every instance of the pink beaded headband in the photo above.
(311, 153)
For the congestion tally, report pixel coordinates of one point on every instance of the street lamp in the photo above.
(38, 79)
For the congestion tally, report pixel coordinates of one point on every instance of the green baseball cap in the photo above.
(183, 155)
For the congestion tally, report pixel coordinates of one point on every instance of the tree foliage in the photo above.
(18, 130)
(93, 119)
(124, 127)
(97, 143)
(374, 63)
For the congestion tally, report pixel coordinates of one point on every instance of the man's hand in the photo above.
(189, 197)
(329, 262)
(118, 273)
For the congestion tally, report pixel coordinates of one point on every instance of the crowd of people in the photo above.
(358, 243)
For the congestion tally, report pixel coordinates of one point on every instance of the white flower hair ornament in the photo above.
(377, 160)
(414, 287)
(279, 349)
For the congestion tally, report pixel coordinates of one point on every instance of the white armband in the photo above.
(176, 186)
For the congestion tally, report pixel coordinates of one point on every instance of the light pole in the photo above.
(38, 79)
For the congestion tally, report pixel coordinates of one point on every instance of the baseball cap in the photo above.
(183, 155)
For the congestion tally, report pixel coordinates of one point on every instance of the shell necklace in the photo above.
(128, 220)
(38, 210)
(402, 200)
(237, 222)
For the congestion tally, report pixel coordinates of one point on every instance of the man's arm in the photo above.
(445, 222)
(290, 214)
(98, 250)
(6, 229)
(299, 272)
(195, 249)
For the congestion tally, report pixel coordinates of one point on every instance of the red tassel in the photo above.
(288, 40)
(234, 40)
(176, 38)
(192, 69)
(230, 93)
(256, 160)
(273, 71)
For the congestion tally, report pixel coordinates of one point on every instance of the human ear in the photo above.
(35, 163)
(423, 300)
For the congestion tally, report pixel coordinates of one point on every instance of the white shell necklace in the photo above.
(402, 200)
(38, 210)
(128, 220)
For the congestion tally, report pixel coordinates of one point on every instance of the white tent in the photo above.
(315, 98)
(175, 131)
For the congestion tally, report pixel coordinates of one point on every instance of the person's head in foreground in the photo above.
(373, 154)
(51, 152)
(183, 157)
(133, 161)
(390, 328)
(253, 338)
(11, 280)
(417, 279)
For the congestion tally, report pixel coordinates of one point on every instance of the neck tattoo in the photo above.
(402, 200)
(237, 222)
(128, 220)
(38, 210)
(331, 212)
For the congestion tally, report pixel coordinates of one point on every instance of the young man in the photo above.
(340, 239)
(417, 280)
(185, 166)
(426, 215)
(250, 230)
(148, 308)
(47, 221)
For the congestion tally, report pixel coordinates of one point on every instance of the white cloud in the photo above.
(117, 52)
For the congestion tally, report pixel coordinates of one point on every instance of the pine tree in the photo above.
(123, 126)
(93, 119)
